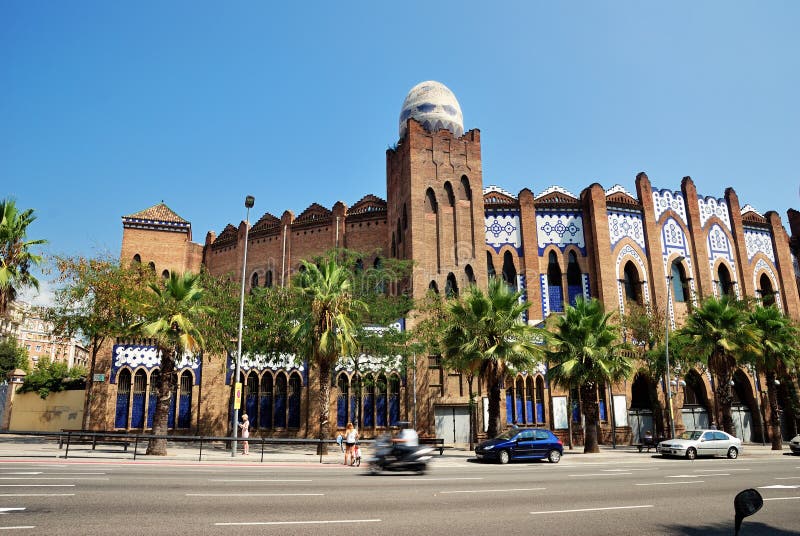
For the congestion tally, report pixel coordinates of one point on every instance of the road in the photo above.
(643, 495)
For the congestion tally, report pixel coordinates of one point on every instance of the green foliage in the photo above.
(12, 356)
(53, 376)
(483, 334)
(16, 257)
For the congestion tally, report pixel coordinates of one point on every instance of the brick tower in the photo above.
(434, 188)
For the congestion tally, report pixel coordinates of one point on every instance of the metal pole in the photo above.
(414, 376)
(666, 352)
(248, 202)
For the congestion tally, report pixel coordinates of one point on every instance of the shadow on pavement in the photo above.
(749, 528)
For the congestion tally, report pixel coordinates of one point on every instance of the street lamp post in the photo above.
(666, 346)
(249, 201)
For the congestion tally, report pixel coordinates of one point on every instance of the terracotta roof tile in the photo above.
(159, 212)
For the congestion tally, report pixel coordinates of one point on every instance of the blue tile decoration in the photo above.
(624, 223)
(556, 299)
(523, 289)
(502, 229)
(543, 293)
(134, 356)
(673, 238)
(560, 228)
(261, 362)
(664, 200)
(586, 290)
(710, 207)
(758, 241)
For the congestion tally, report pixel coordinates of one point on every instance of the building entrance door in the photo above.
(452, 423)
(742, 422)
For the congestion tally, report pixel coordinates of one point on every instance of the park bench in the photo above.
(436, 442)
(91, 437)
(647, 443)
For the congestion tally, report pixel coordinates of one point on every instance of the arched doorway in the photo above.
(742, 407)
(640, 414)
(695, 402)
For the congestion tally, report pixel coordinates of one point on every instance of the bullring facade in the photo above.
(613, 244)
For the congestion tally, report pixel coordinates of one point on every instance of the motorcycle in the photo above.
(390, 458)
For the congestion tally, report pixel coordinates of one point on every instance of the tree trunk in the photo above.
(494, 406)
(88, 394)
(591, 414)
(660, 415)
(324, 404)
(471, 413)
(774, 417)
(165, 386)
(724, 398)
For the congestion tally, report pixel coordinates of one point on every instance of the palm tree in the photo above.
(584, 355)
(485, 331)
(325, 326)
(718, 334)
(777, 354)
(171, 320)
(16, 258)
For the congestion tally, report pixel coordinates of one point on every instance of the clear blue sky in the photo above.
(107, 108)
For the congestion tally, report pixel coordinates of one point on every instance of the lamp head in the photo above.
(249, 201)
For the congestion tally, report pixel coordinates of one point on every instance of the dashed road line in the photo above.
(592, 509)
(601, 474)
(259, 480)
(321, 522)
(490, 490)
(672, 483)
(255, 494)
(446, 478)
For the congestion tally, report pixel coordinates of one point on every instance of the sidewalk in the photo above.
(20, 448)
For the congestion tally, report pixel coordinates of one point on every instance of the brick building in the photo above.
(669, 247)
(29, 326)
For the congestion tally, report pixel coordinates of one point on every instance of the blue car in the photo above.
(522, 444)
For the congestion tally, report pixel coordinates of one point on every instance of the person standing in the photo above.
(350, 438)
(245, 427)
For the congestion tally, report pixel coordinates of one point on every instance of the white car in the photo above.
(694, 443)
(794, 444)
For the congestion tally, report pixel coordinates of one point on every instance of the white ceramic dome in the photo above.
(435, 106)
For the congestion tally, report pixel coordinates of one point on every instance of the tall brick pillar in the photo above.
(530, 247)
(737, 229)
(657, 279)
(598, 246)
(697, 236)
(783, 262)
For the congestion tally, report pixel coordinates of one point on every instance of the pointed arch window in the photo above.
(254, 280)
(451, 286)
(554, 291)
(268, 279)
(509, 270)
(539, 399)
(343, 384)
(574, 283)
(137, 259)
(433, 287)
(633, 291)
(680, 283)
(165, 274)
(724, 283)
(123, 399)
(470, 273)
(490, 266)
(766, 291)
(265, 409)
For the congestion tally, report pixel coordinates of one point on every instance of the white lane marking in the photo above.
(7, 510)
(491, 490)
(602, 474)
(712, 470)
(325, 522)
(26, 473)
(42, 473)
(698, 476)
(19, 527)
(592, 509)
(671, 483)
(449, 478)
(782, 498)
(51, 478)
(779, 486)
(255, 494)
(37, 494)
(787, 477)
(619, 470)
(37, 485)
(257, 480)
